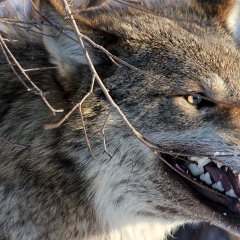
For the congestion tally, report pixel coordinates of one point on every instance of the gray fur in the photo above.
(53, 189)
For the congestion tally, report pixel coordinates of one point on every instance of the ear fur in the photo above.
(233, 20)
(18, 9)
(22, 12)
(61, 41)
(227, 11)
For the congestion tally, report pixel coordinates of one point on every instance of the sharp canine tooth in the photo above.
(231, 193)
(206, 178)
(195, 170)
(218, 186)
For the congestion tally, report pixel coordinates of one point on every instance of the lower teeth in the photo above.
(205, 177)
(218, 186)
(231, 193)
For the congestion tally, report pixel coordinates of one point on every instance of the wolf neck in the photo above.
(140, 231)
(115, 195)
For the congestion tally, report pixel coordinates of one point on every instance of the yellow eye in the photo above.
(194, 99)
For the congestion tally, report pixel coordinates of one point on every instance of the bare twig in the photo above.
(13, 143)
(39, 69)
(24, 6)
(9, 62)
(103, 134)
(7, 53)
(79, 106)
(80, 110)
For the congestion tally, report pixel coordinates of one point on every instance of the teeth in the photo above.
(219, 164)
(195, 170)
(206, 178)
(218, 186)
(201, 161)
(231, 193)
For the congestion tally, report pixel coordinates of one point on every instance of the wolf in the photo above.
(131, 135)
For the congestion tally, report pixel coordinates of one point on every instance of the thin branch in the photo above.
(24, 6)
(80, 110)
(39, 69)
(85, 133)
(10, 64)
(103, 134)
(13, 143)
(7, 53)
(115, 62)
(79, 106)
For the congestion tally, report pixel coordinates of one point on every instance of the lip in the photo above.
(176, 163)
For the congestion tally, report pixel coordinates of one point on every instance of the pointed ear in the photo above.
(61, 40)
(227, 11)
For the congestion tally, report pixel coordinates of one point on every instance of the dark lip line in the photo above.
(233, 204)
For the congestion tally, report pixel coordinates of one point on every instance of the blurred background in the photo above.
(201, 231)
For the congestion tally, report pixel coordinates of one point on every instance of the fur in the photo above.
(50, 186)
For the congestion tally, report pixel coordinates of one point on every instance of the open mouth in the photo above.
(214, 180)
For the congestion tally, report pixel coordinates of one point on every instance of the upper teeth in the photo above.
(197, 170)
(219, 164)
(200, 161)
(231, 193)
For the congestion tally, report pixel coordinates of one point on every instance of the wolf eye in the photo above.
(198, 101)
(194, 99)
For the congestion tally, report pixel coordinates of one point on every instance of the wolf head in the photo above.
(158, 109)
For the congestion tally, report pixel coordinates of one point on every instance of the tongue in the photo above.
(235, 181)
(218, 174)
(225, 175)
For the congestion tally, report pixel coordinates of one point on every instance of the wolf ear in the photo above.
(227, 11)
(60, 39)
(18, 10)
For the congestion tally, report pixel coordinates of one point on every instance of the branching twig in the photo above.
(80, 110)
(9, 62)
(117, 60)
(7, 53)
(79, 106)
(99, 81)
